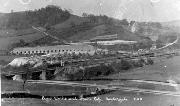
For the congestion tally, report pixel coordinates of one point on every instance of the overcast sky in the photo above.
(141, 10)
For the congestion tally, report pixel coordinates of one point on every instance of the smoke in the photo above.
(139, 10)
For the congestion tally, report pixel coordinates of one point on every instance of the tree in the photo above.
(125, 22)
(92, 18)
(50, 14)
(132, 23)
(47, 26)
(72, 24)
(158, 25)
(84, 14)
(125, 65)
(141, 30)
(22, 43)
(159, 43)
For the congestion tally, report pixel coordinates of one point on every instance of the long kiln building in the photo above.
(61, 49)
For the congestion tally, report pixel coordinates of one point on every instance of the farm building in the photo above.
(61, 49)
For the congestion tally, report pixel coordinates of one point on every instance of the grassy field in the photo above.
(164, 69)
(6, 42)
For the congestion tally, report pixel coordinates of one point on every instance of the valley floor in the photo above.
(163, 70)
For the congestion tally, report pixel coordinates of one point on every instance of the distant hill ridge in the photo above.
(175, 23)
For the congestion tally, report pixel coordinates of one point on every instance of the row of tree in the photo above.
(103, 19)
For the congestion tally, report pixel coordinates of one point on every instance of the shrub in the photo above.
(125, 65)
(138, 63)
(150, 61)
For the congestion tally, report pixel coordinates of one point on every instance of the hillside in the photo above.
(16, 27)
(78, 28)
(175, 23)
(165, 32)
(105, 29)
(43, 17)
(73, 19)
(8, 40)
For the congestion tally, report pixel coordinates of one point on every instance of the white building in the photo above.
(61, 49)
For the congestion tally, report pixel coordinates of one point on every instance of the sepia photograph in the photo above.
(90, 52)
